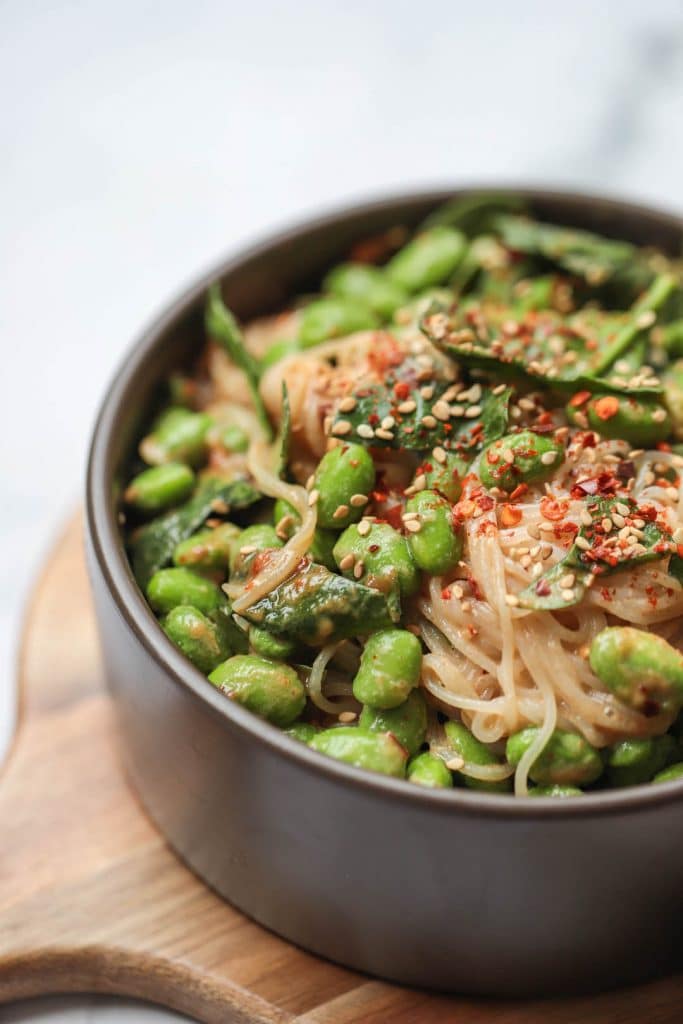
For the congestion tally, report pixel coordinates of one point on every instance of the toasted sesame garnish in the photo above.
(547, 458)
(586, 517)
(568, 581)
(508, 455)
(455, 763)
(348, 716)
(439, 455)
(347, 404)
(427, 391)
(512, 600)
(419, 483)
(384, 435)
(358, 500)
(359, 569)
(567, 594)
(310, 481)
(537, 570)
(441, 410)
(474, 410)
(365, 430)
(407, 407)
(499, 389)
(347, 561)
(428, 421)
(340, 512)
(342, 427)
(364, 527)
(413, 525)
(659, 415)
(313, 498)
(582, 544)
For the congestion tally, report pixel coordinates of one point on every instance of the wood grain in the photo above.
(92, 900)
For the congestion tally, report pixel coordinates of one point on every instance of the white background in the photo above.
(140, 141)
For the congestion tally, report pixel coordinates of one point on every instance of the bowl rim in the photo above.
(105, 540)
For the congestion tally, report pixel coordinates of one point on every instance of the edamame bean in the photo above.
(368, 284)
(638, 759)
(169, 588)
(233, 438)
(258, 537)
(286, 520)
(374, 751)
(389, 668)
(208, 549)
(160, 487)
(640, 421)
(641, 669)
(383, 555)
(567, 758)
(334, 317)
(429, 259)
(672, 379)
(525, 457)
(200, 639)
(556, 791)
(270, 689)
(428, 770)
(270, 645)
(344, 476)
(408, 721)
(437, 546)
(446, 477)
(177, 436)
(304, 732)
(472, 750)
(670, 774)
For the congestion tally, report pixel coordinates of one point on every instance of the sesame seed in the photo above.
(441, 410)
(474, 410)
(508, 455)
(420, 482)
(659, 415)
(407, 407)
(348, 716)
(537, 570)
(388, 422)
(407, 516)
(568, 581)
(622, 509)
(672, 492)
(646, 319)
(363, 528)
(457, 410)
(512, 600)
(365, 430)
(548, 458)
(313, 498)
(525, 561)
(582, 544)
(606, 524)
(359, 569)
(458, 591)
(358, 500)
(347, 561)
(527, 404)
(439, 455)
(567, 594)
(546, 551)
(310, 482)
(499, 389)
(648, 478)
(586, 517)
(341, 427)
(347, 404)
(384, 435)
(618, 520)
(428, 421)
(427, 392)
(638, 523)
(535, 551)
(340, 512)
(455, 763)
(413, 526)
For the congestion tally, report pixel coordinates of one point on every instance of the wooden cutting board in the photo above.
(92, 899)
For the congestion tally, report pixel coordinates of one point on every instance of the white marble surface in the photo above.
(142, 140)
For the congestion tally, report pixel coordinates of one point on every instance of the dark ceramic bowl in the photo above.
(451, 890)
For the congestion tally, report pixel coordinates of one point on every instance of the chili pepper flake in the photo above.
(553, 509)
(607, 407)
(579, 399)
(510, 516)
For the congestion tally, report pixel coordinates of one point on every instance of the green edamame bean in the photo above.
(344, 476)
(334, 317)
(520, 458)
(446, 477)
(286, 520)
(280, 350)
(384, 555)
(389, 668)
(556, 791)
(200, 639)
(208, 549)
(641, 669)
(304, 732)
(170, 587)
(567, 758)
(470, 749)
(672, 379)
(258, 537)
(368, 284)
(160, 487)
(428, 770)
(640, 421)
(429, 259)
(177, 436)
(270, 645)
(635, 760)
(270, 689)
(670, 774)
(437, 546)
(374, 751)
(233, 438)
(408, 721)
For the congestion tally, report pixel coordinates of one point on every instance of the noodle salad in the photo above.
(429, 521)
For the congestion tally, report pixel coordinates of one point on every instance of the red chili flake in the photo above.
(393, 516)
(446, 594)
(580, 398)
(651, 596)
(554, 510)
(472, 630)
(401, 390)
(566, 530)
(373, 548)
(607, 407)
(485, 503)
(605, 594)
(663, 446)
(519, 490)
(510, 516)
(379, 496)
(545, 418)
(373, 418)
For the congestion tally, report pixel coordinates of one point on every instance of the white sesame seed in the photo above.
(407, 407)
(347, 404)
(347, 561)
(428, 421)
(547, 458)
(439, 455)
(508, 455)
(582, 544)
(310, 482)
(365, 430)
(359, 569)
(313, 498)
(441, 410)
(413, 526)
(537, 570)
(525, 561)
(618, 520)
(512, 600)
(606, 524)
(341, 427)
(474, 410)
(465, 606)
(586, 517)
(568, 581)
(677, 536)
(458, 591)
(427, 392)
(546, 551)
(659, 415)
(457, 410)
(340, 512)
(499, 389)
(533, 531)
(567, 594)
(455, 763)
(358, 500)
(420, 482)
(363, 528)
(388, 422)
(622, 509)
(646, 319)
(348, 716)
(384, 435)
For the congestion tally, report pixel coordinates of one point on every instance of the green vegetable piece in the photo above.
(233, 438)
(280, 350)
(153, 547)
(200, 639)
(446, 477)
(270, 689)
(170, 587)
(670, 338)
(642, 421)
(304, 732)
(367, 284)
(385, 557)
(255, 538)
(344, 478)
(270, 645)
(222, 326)
(334, 317)
(567, 758)
(389, 668)
(556, 791)
(437, 546)
(428, 770)
(642, 669)
(670, 774)
(407, 722)
(642, 317)
(160, 487)
(178, 436)
(535, 458)
(374, 751)
(314, 605)
(208, 549)
(428, 259)
(473, 751)
(633, 761)
(475, 212)
(672, 378)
